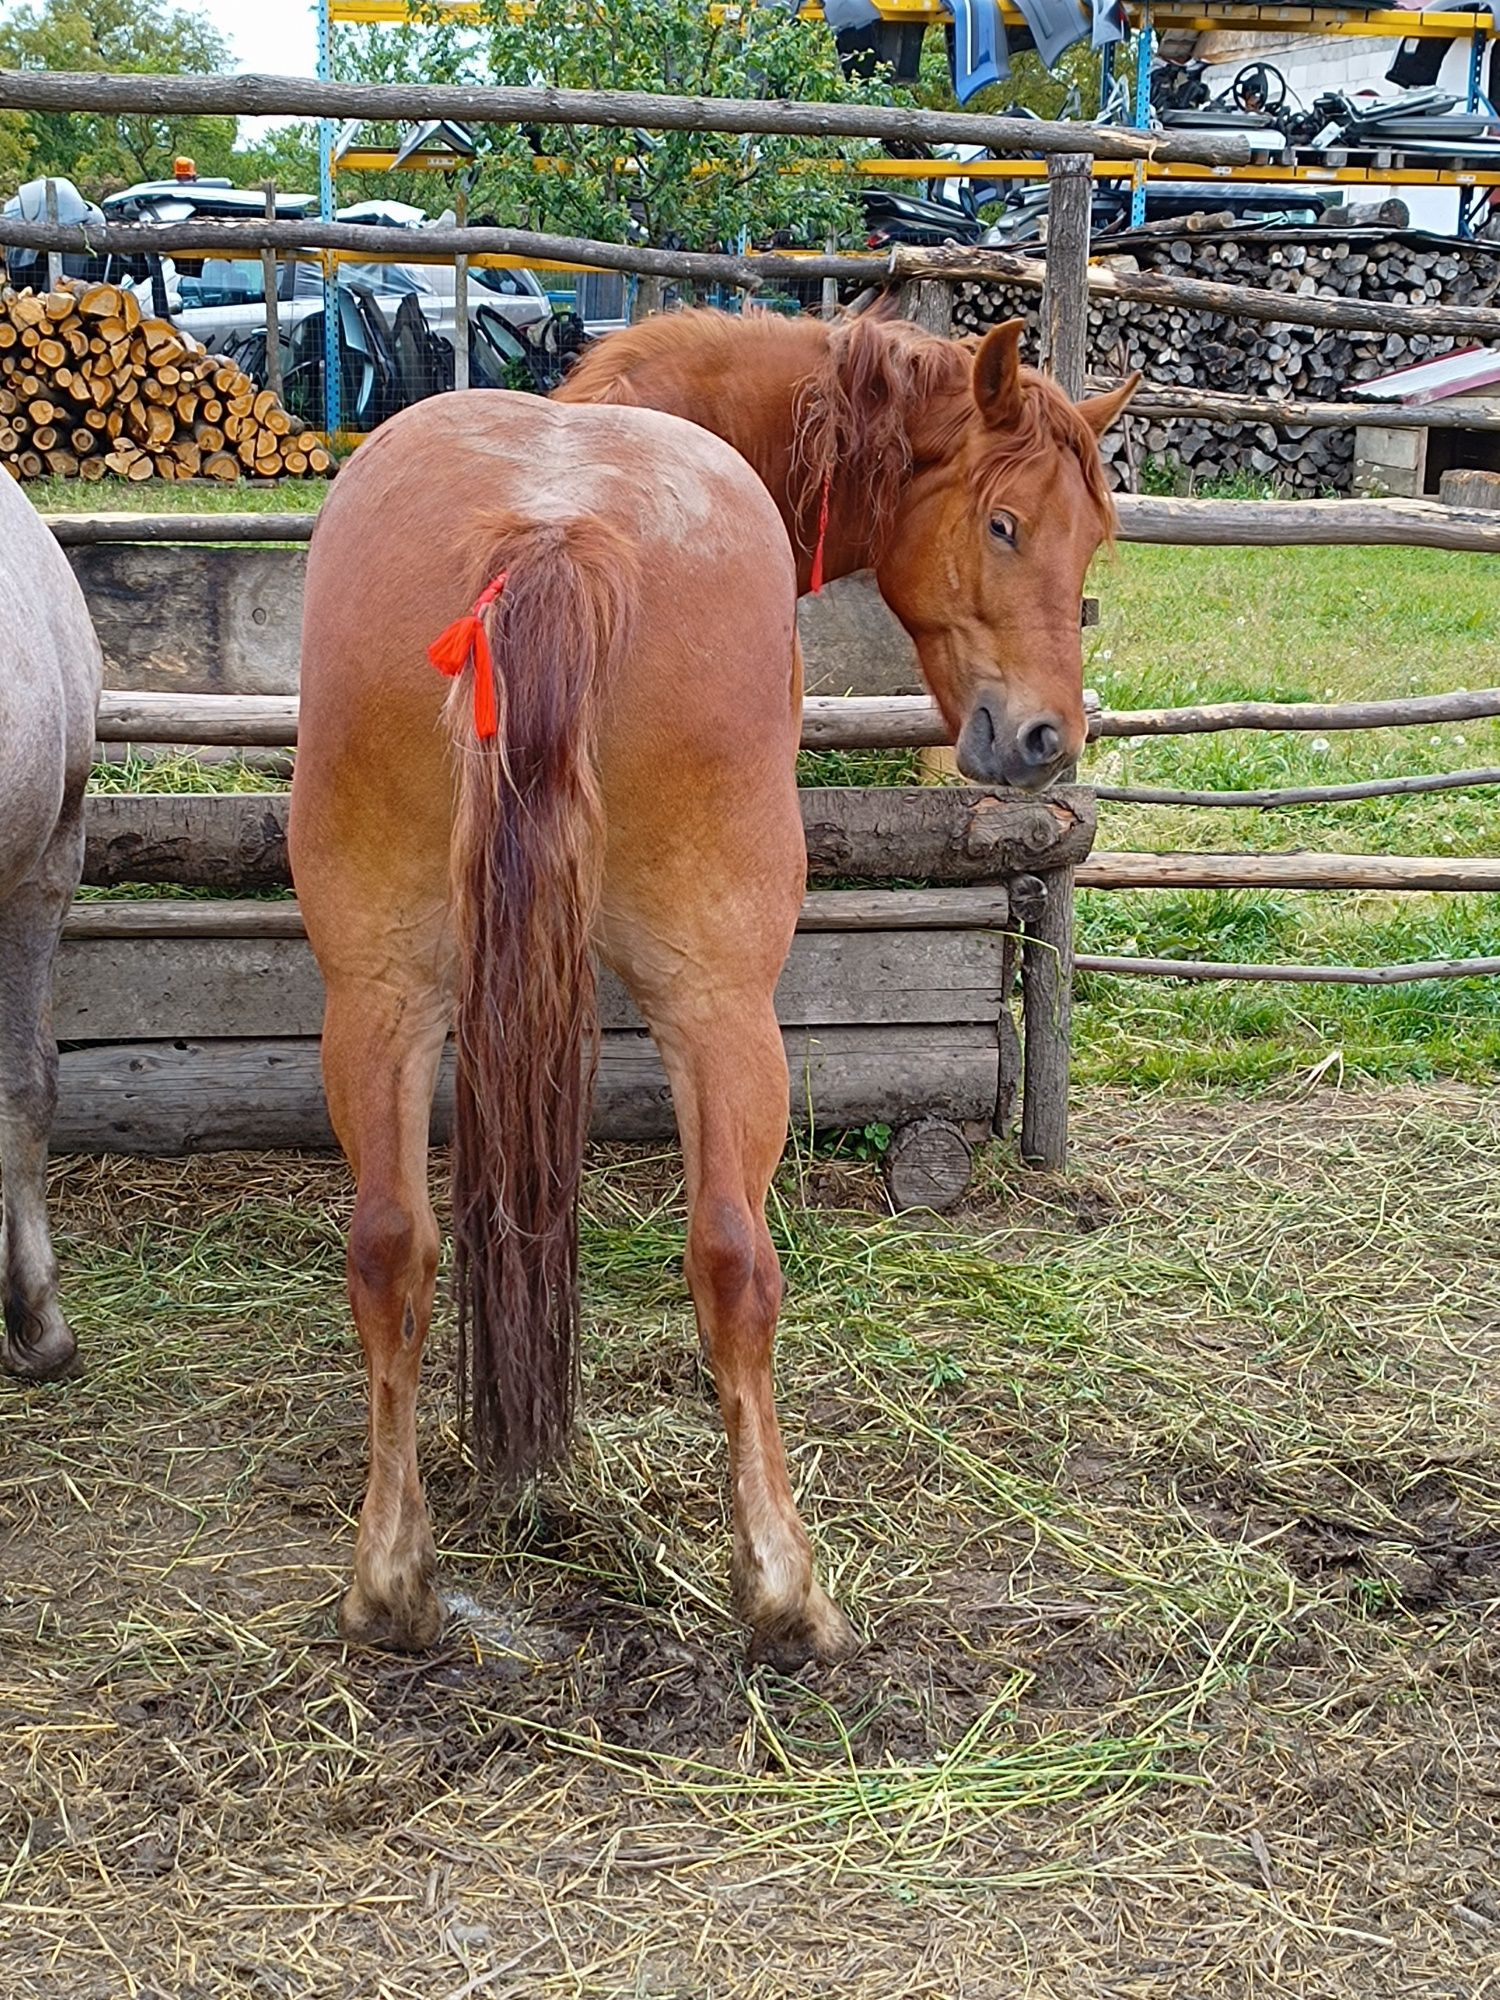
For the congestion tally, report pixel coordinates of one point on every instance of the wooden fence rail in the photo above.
(1255, 302)
(861, 722)
(234, 842)
(1299, 975)
(251, 238)
(259, 96)
(1143, 517)
(1300, 795)
(1157, 403)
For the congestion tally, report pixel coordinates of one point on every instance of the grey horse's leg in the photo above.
(38, 1343)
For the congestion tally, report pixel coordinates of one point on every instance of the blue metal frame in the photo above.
(1145, 44)
(333, 380)
(1476, 63)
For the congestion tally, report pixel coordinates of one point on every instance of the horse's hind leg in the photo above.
(38, 1343)
(382, 1041)
(724, 1056)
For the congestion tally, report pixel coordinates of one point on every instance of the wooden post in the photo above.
(273, 311)
(650, 296)
(929, 303)
(830, 297)
(461, 300)
(54, 257)
(1047, 955)
(1065, 299)
(1047, 1008)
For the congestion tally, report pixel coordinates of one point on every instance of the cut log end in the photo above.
(928, 1164)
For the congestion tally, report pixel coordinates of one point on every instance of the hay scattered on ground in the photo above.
(1165, 1496)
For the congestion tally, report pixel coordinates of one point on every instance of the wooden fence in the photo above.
(896, 1004)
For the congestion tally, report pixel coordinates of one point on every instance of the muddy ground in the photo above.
(1165, 1497)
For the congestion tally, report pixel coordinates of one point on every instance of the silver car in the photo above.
(224, 298)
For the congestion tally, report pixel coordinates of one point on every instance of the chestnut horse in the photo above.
(636, 589)
(970, 485)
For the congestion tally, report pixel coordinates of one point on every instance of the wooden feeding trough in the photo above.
(193, 1025)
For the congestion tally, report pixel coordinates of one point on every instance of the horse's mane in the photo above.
(873, 398)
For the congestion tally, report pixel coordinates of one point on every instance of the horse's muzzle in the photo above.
(996, 748)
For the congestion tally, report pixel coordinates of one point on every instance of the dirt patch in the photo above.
(1165, 1496)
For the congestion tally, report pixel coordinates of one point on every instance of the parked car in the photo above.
(223, 298)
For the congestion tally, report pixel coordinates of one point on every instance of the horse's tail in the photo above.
(527, 858)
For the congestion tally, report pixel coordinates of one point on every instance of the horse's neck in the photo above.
(757, 414)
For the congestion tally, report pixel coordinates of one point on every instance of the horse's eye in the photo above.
(1003, 528)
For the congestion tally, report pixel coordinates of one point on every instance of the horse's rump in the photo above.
(526, 859)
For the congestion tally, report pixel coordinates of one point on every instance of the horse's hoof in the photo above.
(817, 1630)
(39, 1350)
(411, 1626)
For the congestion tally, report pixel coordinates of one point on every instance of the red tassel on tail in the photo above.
(815, 580)
(464, 640)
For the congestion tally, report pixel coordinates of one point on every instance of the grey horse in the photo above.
(49, 694)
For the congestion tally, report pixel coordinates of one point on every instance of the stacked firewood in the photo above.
(90, 386)
(1181, 348)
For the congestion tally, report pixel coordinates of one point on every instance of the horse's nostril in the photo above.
(1040, 743)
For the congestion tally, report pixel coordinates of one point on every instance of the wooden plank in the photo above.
(1105, 870)
(825, 910)
(188, 988)
(929, 305)
(190, 1097)
(1400, 713)
(237, 841)
(195, 620)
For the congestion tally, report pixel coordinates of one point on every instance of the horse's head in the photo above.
(986, 550)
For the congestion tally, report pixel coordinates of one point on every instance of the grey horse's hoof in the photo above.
(37, 1348)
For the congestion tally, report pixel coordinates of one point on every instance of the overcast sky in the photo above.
(276, 35)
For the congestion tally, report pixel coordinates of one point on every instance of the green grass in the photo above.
(1183, 626)
(173, 773)
(197, 496)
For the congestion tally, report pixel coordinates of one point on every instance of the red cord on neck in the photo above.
(815, 580)
(464, 640)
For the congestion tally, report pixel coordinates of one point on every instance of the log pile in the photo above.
(90, 388)
(1178, 348)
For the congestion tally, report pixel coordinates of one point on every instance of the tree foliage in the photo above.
(696, 189)
(98, 150)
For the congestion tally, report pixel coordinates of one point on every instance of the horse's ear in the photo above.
(997, 375)
(1099, 412)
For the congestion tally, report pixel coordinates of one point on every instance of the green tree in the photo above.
(287, 154)
(100, 151)
(697, 189)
